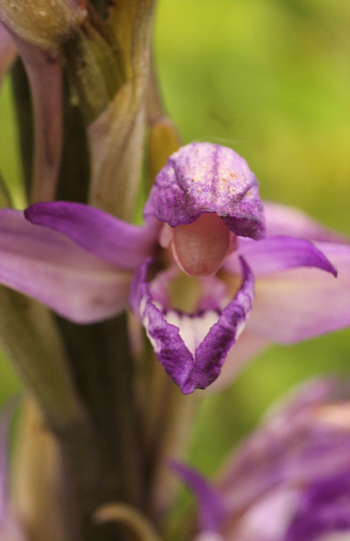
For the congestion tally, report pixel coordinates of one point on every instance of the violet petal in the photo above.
(277, 253)
(193, 349)
(285, 220)
(301, 303)
(324, 508)
(211, 504)
(121, 244)
(201, 178)
(49, 267)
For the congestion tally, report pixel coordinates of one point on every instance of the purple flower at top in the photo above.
(290, 480)
(205, 178)
(207, 258)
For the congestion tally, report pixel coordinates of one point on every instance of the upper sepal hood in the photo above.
(206, 178)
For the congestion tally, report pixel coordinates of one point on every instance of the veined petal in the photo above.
(285, 220)
(323, 509)
(278, 253)
(205, 178)
(119, 243)
(49, 267)
(297, 304)
(192, 348)
(211, 504)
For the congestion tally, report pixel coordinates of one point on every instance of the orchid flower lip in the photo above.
(191, 347)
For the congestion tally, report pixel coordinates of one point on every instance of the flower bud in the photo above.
(47, 23)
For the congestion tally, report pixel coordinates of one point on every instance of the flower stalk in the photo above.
(30, 339)
(98, 356)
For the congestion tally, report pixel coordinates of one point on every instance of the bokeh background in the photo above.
(271, 79)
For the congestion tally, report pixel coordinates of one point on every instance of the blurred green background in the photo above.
(271, 79)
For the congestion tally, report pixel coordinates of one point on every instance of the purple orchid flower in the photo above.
(290, 481)
(203, 220)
